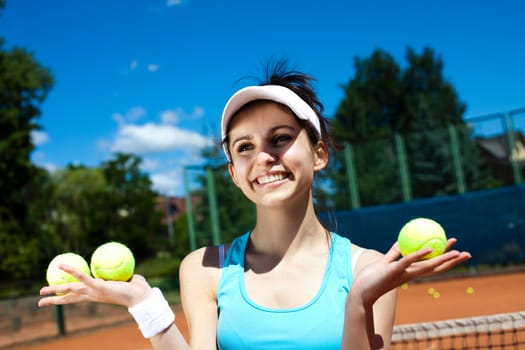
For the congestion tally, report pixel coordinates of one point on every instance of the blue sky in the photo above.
(151, 76)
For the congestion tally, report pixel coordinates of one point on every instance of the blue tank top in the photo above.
(317, 325)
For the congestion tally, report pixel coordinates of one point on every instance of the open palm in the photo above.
(390, 272)
(90, 289)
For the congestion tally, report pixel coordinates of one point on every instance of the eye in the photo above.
(281, 138)
(243, 147)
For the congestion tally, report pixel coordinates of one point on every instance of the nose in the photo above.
(265, 157)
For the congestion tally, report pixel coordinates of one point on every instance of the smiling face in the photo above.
(273, 159)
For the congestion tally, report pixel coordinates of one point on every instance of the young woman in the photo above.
(288, 283)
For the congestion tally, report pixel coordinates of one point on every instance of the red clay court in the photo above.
(419, 302)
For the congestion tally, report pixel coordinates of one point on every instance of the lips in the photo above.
(266, 179)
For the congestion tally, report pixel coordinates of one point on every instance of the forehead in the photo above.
(258, 113)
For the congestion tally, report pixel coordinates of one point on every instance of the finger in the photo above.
(450, 243)
(437, 264)
(48, 301)
(415, 257)
(79, 275)
(448, 264)
(61, 288)
(393, 253)
(68, 298)
(138, 279)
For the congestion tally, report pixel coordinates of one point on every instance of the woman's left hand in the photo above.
(392, 271)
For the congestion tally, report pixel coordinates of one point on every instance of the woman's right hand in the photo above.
(89, 289)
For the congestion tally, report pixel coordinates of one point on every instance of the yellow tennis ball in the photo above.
(422, 233)
(55, 275)
(113, 261)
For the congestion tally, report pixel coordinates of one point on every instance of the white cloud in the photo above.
(39, 158)
(170, 116)
(198, 112)
(133, 65)
(168, 182)
(133, 114)
(39, 137)
(153, 138)
(149, 164)
(103, 145)
(173, 116)
(153, 67)
(50, 167)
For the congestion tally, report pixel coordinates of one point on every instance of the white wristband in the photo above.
(153, 315)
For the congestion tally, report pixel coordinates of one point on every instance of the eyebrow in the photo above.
(272, 130)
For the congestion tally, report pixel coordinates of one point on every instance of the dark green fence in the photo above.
(441, 161)
(456, 166)
(490, 223)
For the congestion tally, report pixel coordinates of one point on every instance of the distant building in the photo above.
(175, 207)
(499, 155)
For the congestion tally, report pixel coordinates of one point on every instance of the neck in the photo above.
(287, 229)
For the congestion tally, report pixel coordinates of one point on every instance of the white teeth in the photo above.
(270, 178)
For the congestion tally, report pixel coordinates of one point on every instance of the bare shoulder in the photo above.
(200, 257)
(199, 278)
(201, 266)
(201, 262)
(366, 256)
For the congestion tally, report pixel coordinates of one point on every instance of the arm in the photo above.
(370, 306)
(199, 278)
(127, 294)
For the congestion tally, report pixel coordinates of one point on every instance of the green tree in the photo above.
(366, 117)
(381, 103)
(432, 106)
(130, 206)
(76, 201)
(91, 206)
(24, 85)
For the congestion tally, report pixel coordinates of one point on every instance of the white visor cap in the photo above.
(275, 93)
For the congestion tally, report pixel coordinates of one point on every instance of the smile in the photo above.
(271, 178)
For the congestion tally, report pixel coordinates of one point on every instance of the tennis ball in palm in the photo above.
(55, 275)
(422, 233)
(113, 261)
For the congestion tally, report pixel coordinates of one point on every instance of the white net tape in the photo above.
(461, 326)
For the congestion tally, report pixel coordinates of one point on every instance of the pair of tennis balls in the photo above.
(422, 233)
(111, 261)
(114, 261)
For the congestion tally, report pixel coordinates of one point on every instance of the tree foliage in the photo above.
(74, 202)
(76, 208)
(24, 85)
(384, 102)
(130, 203)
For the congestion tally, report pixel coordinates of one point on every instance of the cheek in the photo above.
(238, 173)
(301, 154)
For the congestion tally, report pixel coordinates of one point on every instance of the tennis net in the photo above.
(501, 331)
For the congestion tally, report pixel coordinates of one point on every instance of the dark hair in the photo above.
(278, 73)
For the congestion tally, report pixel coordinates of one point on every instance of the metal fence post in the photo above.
(189, 211)
(61, 324)
(403, 167)
(214, 211)
(456, 157)
(351, 177)
(511, 139)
